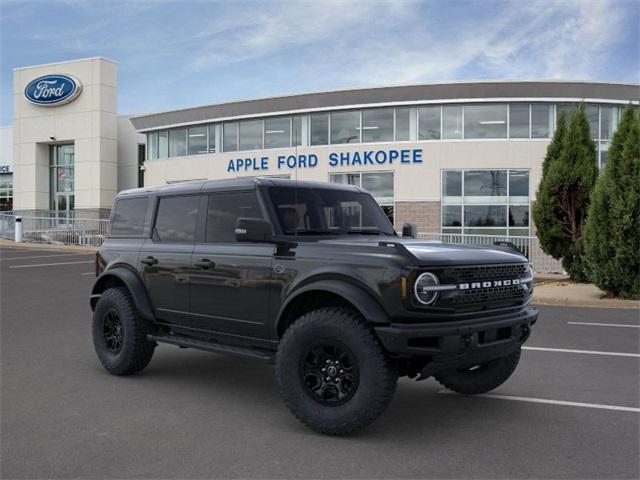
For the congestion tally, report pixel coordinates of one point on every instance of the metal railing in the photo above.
(60, 231)
(530, 246)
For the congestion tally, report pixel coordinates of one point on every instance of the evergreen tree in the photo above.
(612, 233)
(563, 198)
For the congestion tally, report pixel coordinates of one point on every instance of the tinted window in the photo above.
(377, 125)
(485, 121)
(452, 121)
(429, 123)
(345, 127)
(403, 121)
(541, 120)
(277, 132)
(251, 135)
(224, 210)
(230, 137)
(178, 142)
(519, 120)
(452, 184)
(129, 217)
(320, 129)
(197, 140)
(176, 219)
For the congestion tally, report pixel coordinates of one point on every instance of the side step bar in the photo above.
(188, 342)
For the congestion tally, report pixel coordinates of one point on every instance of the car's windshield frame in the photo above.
(330, 197)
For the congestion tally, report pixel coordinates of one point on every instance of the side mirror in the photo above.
(409, 230)
(254, 230)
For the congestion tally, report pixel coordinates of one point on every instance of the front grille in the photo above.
(474, 298)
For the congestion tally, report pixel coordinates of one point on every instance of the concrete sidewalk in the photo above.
(46, 246)
(565, 292)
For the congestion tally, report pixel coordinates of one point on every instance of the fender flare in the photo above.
(363, 301)
(132, 281)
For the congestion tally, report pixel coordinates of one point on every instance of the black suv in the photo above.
(312, 277)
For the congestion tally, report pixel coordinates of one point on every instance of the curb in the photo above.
(46, 246)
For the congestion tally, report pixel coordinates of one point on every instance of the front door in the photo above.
(230, 291)
(165, 259)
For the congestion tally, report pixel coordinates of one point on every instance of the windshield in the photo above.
(307, 211)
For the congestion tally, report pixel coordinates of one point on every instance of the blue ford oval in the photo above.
(51, 90)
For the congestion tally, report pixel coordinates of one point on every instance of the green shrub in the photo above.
(612, 233)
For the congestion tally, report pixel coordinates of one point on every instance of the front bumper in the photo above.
(459, 344)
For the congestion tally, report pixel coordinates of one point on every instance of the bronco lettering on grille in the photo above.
(488, 284)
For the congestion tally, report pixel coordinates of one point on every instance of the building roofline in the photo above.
(65, 61)
(390, 95)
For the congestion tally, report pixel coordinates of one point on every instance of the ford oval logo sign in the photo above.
(53, 90)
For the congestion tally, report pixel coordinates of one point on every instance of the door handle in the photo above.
(204, 263)
(149, 261)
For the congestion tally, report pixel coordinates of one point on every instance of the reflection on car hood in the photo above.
(437, 253)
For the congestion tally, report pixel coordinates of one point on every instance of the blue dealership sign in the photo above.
(53, 90)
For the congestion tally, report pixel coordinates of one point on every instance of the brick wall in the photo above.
(426, 215)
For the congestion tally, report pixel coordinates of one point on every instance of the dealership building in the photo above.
(460, 157)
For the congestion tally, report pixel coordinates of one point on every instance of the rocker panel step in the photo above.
(182, 341)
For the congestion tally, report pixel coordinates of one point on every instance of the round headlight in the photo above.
(423, 288)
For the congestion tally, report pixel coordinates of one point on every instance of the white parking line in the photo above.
(44, 256)
(588, 352)
(548, 401)
(604, 324)
(50, 264)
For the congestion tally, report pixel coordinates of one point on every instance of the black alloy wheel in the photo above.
(330, 373)
(112, 331)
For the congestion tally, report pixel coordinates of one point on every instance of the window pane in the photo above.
(230, 137)
(377, 125)
(296, 134)
(178, 142)
(604, 152)
(380, 185)
(452, 216)
(485, 216)
(129, 217)
(197, 140)
(152, 146)
(519, 216)
(519, 185)
(403, 124)
(485, 121)
(346, 178)
(592, 117)
(429, 123)
(176, 219)
(345, 127)
(320, 129)
(163, 144)
(452, 121)
(212, 138)
(277, 132)
(519, 120)
(541, 120)
(224, 210)
(251, 135)
(452, 184)
(608, 122)
(485, 185)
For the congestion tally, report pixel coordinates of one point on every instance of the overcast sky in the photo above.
(179, 54)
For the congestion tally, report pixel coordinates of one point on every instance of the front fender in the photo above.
(357, 296)
(132, 281)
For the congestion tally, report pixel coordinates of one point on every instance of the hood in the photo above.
(434, 253)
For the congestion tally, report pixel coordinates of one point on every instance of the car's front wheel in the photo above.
(480, 378)
(119, 334)
(332, 372)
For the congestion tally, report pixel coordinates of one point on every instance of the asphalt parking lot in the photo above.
(571, 410)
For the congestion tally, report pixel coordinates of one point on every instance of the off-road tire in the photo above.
(481, 380)
(136, 351)
(376, 381)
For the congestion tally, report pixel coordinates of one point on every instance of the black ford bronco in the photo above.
(311, 277)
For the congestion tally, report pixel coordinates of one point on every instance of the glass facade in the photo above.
(61, 179)
(6, 192)
(386, 124)
(486, 202)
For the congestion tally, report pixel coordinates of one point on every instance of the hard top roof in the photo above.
(240, 183)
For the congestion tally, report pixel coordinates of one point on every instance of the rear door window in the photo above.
(225, 209)
(129, 217)
(176, 219)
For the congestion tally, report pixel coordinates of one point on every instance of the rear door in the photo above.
(166, 257)
(230, 289)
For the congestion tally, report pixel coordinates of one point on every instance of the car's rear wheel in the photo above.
(119, 334)
(480, 378)
(332, 372)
